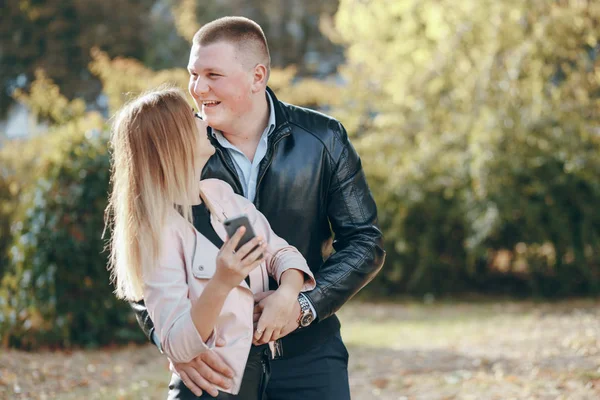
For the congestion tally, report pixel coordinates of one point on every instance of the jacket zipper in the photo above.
(263, 379)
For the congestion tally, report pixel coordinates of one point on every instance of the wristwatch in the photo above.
(306, 315)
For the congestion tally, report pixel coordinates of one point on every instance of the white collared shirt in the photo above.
(248, 170)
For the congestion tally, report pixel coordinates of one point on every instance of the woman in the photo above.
(196, 285)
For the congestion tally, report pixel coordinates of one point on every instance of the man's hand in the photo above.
(275, 315)
(204, 372)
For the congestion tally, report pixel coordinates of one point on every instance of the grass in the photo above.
(491, 350)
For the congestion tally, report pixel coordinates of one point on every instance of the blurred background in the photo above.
(477, 121)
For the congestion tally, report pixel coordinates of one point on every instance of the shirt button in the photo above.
(201, 267)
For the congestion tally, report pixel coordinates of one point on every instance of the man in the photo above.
(302, 173)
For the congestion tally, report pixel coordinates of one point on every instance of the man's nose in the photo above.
(200, 87)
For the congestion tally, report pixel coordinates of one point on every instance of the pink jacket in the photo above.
(188, 261)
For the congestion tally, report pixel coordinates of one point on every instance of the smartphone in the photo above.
(233, 224)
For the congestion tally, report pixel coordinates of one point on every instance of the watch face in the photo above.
(306, 320)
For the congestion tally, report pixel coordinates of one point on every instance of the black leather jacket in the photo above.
(310, 184)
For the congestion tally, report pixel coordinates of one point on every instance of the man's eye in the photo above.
(213, 75)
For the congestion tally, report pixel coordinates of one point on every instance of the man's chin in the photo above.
(216, 123)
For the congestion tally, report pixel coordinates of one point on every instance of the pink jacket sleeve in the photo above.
(166, 297)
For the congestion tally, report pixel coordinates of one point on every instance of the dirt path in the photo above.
(401, 351)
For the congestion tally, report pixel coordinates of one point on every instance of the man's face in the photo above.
(220, 85)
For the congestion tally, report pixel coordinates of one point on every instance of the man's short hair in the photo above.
(241, 32)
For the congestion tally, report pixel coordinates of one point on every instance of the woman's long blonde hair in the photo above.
(153, 140)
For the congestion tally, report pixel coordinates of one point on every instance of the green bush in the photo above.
(533, 230)
(18, 161)
(477, 123)
(56, 290)
(7, 206)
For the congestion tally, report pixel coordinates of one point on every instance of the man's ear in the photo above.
(260, 77)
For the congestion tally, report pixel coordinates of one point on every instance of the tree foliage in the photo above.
(478, 125)
(57, 35)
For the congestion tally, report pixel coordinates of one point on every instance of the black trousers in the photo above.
(321, 373)
(254, 382)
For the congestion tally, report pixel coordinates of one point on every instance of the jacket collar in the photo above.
(282, 126)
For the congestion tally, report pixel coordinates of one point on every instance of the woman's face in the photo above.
(205, 148)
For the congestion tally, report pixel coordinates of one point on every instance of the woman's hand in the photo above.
(276, 311)
(233, 266)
